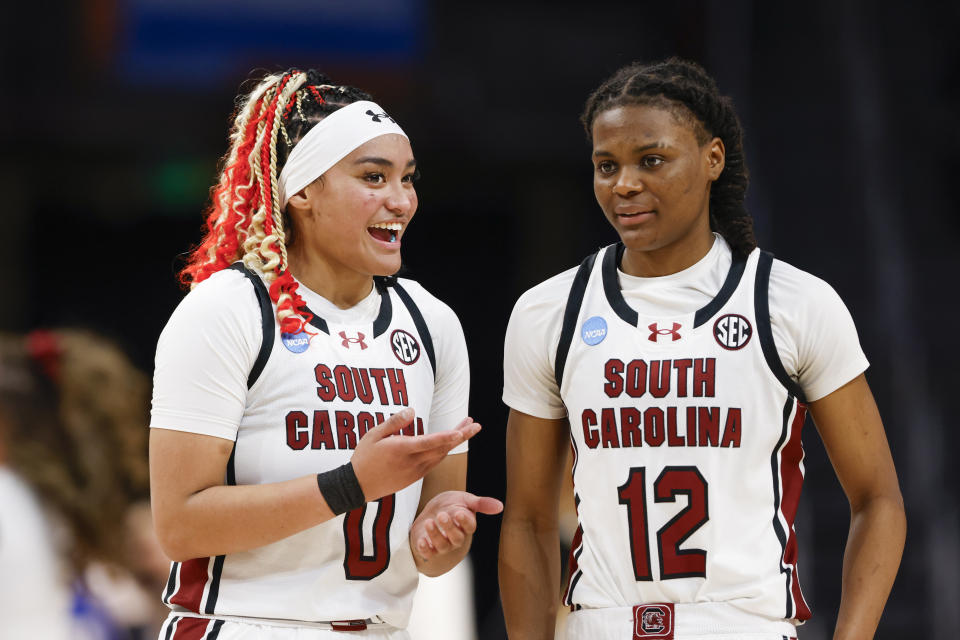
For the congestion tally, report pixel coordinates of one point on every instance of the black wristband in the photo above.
(341, 489)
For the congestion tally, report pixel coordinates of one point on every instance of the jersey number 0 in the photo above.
(357, 565)
(674, 562)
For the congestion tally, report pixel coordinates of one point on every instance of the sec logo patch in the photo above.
(404, 346)
(732, 331)
(594, 330)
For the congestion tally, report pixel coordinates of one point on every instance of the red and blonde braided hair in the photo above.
(246, 220)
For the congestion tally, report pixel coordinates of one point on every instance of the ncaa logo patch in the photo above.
(653, 621)
(404, 346)
(295, 342)
(594, 330)
(732, 331)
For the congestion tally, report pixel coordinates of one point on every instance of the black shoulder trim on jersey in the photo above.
(761, 303)
(570, 314)
(316, 321)
(385, 317)
(611, 285)
(730, 284)
(266, 321)
(419, 322)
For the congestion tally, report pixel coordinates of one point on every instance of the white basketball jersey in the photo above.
(687, 460)
(310, 400)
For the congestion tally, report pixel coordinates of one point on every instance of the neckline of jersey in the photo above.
(380, 322)
(610, 270)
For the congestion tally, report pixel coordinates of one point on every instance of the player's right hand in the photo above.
(384, 465)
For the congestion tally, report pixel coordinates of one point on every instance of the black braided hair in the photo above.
(316, 99)
(685, 89)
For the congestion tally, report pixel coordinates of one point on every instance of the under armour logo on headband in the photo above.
(330, 140)
(376, 116)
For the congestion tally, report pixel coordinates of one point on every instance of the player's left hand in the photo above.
(447, 523)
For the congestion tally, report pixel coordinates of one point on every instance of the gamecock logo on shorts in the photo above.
(732, 331)
(653, 621)
(404, 346)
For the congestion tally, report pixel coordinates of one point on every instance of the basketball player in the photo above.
(680, 363)
(305, 403)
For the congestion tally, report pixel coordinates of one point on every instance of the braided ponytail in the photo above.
(246, 220)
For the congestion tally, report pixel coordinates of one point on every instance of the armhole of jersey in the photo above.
(266, 322)
(761, 301)
(419, 322)
(570, 314)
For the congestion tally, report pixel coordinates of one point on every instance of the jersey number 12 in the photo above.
(674, 561)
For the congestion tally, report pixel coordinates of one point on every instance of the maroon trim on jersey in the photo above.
(573, 568)
(193, 579)
(576, 545)
(191, 629)
(792, 480)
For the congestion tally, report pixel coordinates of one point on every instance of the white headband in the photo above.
(329, 141)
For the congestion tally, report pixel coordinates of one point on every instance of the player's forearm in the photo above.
(529, 570)
(870, 563)
(227, 519)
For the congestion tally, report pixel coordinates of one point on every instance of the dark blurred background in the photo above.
(116, 113)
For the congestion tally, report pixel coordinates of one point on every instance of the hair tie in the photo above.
(45, 349)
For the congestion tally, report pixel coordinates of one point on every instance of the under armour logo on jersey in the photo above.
(656, 332)
(347, 341)
(404, 346)
(376, 116)
(653, 621)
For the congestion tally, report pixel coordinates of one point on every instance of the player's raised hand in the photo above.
(447, 523)
(384, 465)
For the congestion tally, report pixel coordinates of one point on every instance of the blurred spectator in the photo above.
(77, 557)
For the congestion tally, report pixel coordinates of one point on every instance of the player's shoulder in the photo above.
(550, 294)
(432, 307)
(221, 285)
(788, 282)
(225, 295)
